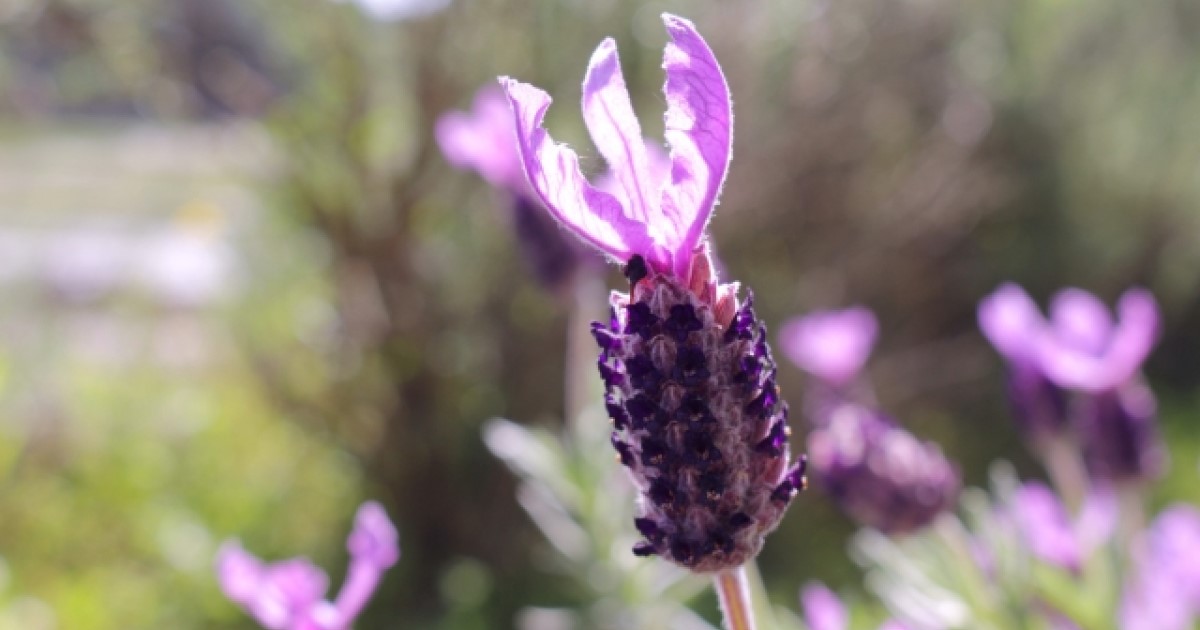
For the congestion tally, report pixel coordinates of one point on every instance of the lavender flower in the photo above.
(880, 474)
(824, 611)
(1052, 534)
(689, 379)
(289, 595)
(1091, 353)
(482, 140)
(1082, 349)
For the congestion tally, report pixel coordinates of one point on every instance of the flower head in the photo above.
(689, 379)
(831, 345)
(662, 221)
(290, 595)
(880, 474)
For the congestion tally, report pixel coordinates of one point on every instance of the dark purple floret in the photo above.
(743, 322)
(635, 271)
(616, 412)
(1120, 434)
(1038, 405)
(623, 450)
(647, 528)
(682, 322)
(604, 338)
(640, 320)
(644, 550)
(699, 420)
(610, 376)
(775, 441)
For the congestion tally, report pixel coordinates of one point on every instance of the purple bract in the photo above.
(661, 221)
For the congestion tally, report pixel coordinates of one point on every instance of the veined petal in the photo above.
(614, 128)
(553, 171)
(699, 129)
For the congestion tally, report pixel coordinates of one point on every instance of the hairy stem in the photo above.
(733, 592)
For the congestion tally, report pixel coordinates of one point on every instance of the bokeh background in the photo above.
(243, 291)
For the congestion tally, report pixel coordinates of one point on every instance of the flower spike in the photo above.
(689, 379)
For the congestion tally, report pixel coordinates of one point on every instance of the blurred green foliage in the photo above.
(905, 155)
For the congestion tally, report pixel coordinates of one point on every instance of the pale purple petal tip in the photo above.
(1011, 320)
(483, 140)
(374, 538)
(239, 572)
(1046, 526)
(822, 608)
(553, 171)
(831, 345)
(699, 130)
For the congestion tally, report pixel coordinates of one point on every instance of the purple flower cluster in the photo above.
(689, 379)
(1078, 372)
(879, 474)
(290, 595)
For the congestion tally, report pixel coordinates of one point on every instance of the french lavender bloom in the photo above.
(879, 474)
(1080, 348)
(689, 379)
(1052, 534)
(290, 595)
(824, 611)
(483, 140)
(1089, 352)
